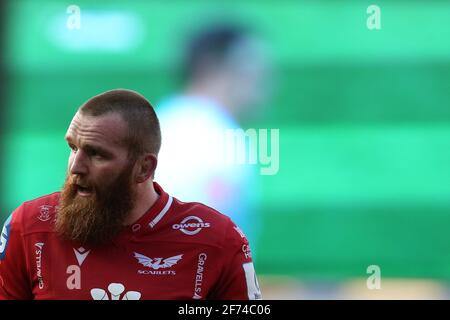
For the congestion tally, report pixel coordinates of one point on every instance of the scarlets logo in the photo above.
(155, 264)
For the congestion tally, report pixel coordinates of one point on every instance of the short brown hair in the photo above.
(144, 132)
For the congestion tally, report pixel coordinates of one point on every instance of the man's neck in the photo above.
(146, 197)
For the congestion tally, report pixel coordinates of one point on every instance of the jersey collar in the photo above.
(154, 215)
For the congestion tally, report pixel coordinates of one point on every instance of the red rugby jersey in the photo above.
(176, 250)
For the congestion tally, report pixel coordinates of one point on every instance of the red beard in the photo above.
(98, 218)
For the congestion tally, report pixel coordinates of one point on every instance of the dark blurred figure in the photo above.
(225, 72)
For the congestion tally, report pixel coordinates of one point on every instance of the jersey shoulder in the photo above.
(198, 222)
(37, 215)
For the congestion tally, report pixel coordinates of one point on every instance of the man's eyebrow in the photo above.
(98, 149)
(89, 147)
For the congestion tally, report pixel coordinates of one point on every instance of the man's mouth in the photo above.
(83, 190)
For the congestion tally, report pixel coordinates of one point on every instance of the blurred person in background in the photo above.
(225, 71)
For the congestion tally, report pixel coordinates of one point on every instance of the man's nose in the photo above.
(78, 165)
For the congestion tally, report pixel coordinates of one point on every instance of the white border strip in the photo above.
(162, 213)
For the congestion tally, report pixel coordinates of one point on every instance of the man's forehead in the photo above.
(104, 128)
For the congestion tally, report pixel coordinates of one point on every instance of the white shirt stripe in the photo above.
(162, 213)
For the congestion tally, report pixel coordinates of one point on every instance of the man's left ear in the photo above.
(146, 167)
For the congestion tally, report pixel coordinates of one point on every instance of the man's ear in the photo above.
(146, 167)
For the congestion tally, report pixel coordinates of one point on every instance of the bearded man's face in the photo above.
(98, 192)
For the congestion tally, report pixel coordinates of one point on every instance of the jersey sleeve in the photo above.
(14, 282)
(238, 280)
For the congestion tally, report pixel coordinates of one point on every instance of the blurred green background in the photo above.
(364, 118)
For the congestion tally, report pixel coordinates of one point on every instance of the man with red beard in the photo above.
(112, 233)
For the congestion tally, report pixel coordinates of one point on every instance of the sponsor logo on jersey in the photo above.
(39, 248)
(199, 276)
(74, 271)
(240, 232)
(44, 212)
(115, 292)
(157, 263)
(4, 237)
(191, 225)
(253, 289)
(246, 250)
